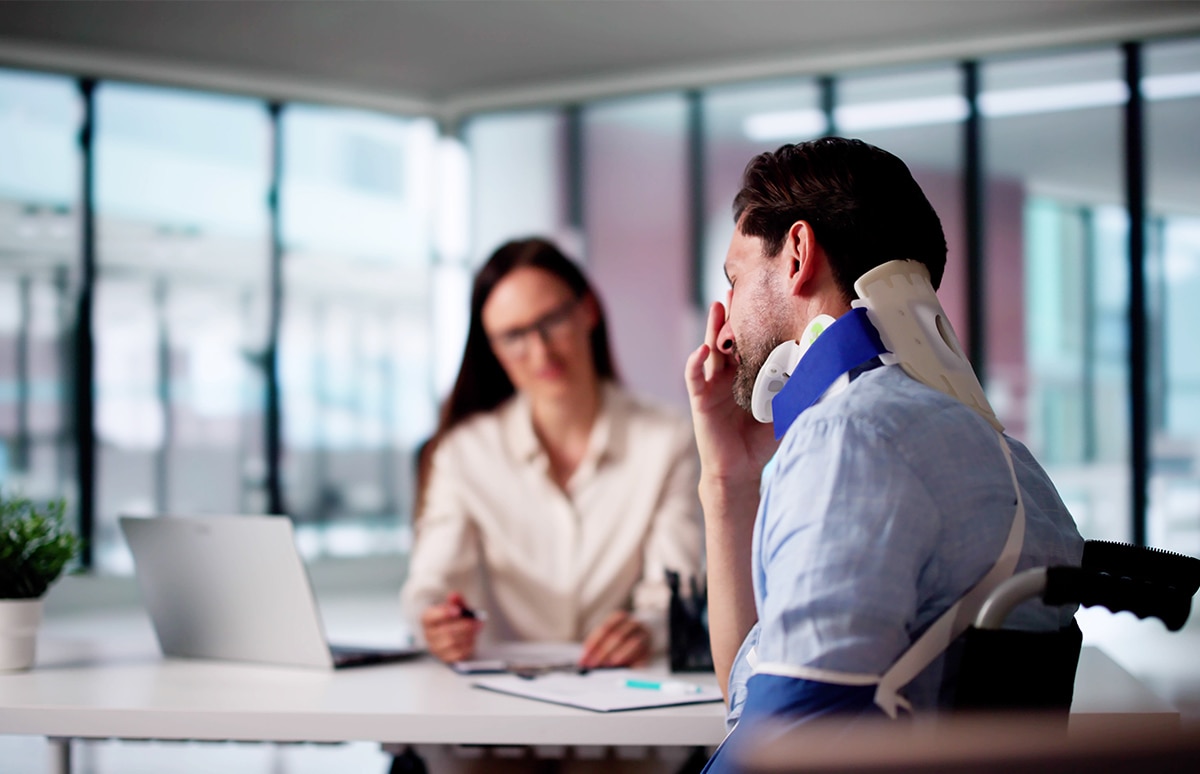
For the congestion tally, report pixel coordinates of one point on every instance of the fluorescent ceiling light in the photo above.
(1052, 99)
(898, 113)
(1171, 86)
(798, 124)
(785, 124)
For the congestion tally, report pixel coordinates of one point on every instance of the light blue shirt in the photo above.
(884, 504)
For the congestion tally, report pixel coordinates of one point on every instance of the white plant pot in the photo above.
(19, 620)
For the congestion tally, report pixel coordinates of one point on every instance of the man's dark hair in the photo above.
(864, 207)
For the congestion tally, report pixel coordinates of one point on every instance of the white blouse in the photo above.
(546, 564)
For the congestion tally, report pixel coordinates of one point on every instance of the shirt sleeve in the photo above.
(848, 530)
(675, 540)
(445, 554)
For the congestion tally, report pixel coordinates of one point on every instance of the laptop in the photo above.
(234, 588)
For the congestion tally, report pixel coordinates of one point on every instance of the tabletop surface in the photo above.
(104, 678)
(107, 679)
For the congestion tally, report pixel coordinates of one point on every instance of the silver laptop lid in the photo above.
(227, 587)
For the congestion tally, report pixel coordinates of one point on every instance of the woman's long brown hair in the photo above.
(482, 384)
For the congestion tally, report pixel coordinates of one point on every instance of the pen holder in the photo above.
(687, 620)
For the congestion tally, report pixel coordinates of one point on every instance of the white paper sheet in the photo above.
(602, 690)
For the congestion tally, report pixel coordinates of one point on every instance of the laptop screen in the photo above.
(227, 587)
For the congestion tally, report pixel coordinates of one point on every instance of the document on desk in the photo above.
(603, 690)
(529, 657)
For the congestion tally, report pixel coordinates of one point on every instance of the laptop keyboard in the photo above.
(353, 655)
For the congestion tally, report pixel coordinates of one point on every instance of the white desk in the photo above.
(119, 687)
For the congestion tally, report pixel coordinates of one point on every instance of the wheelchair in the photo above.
(1019, 670)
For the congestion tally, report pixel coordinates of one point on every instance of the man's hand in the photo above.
(449, 634)
(619, 641)
(733, 445)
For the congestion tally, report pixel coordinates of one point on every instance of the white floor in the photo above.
(30, 755)
(1166, 662)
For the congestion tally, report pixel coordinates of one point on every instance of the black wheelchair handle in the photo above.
(1086, 587)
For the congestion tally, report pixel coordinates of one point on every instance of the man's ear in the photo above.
(803, 254)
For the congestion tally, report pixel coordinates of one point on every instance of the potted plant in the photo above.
(35, 547)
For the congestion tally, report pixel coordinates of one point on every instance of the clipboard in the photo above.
(599, 690)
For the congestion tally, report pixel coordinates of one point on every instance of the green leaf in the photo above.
(35, 546)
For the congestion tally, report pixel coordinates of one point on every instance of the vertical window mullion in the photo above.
(696, 190)
(973, 213)
(1135, 191)
(162, 458)
(83, 344)
(574, 171)
(1088, 265)
(273, 426)
(828, 87)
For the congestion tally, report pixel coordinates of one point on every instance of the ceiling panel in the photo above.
(486, 51)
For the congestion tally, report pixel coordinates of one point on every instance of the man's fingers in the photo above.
(715, 360)
(694, 372)
(716, 320)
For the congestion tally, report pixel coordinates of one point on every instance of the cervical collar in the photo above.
(903, 307)
(779, 367)
(905, 318)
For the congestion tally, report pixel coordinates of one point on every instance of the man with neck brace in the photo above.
(886, 500)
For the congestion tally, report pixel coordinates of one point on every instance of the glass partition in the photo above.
(739, 123)
(1057, 273)
(181, 305)
(355, 362)
(1171, 88)
(918, 115)
(39, 282)
(519, 180)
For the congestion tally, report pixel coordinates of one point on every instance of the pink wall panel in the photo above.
(638, 244)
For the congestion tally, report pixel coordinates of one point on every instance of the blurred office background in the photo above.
(231, 287)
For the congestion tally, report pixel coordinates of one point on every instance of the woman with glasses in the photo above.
(549, 497)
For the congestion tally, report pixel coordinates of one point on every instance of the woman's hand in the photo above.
(449, 634)
(619, 641)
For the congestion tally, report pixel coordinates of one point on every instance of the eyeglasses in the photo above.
(551, 326)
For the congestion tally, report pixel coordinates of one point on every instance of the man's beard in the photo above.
(751, 361)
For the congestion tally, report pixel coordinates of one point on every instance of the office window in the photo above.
(1171, 88)
(355, 363)
(918, 115)
(1057, 273)
(39, 276)
(636, 216)
(519, 186)
(181, 305)
(519, 179)
(739, 123)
